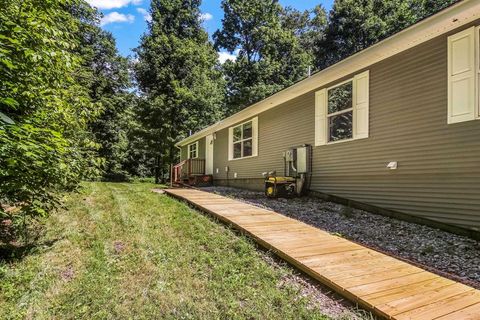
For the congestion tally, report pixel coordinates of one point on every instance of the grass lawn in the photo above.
(122, 252)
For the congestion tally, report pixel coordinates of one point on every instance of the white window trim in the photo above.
(359, 109)
(254, 122)
(196, 152)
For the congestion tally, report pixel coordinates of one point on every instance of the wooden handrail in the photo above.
(186, 168)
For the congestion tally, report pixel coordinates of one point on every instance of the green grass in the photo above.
(120, 251)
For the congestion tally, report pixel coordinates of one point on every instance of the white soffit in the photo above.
(455, 16)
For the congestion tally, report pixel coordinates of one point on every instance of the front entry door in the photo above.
(209, 154)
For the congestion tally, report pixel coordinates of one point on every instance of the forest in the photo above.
(73, 109)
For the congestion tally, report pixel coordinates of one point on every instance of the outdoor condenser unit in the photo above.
(296, 178)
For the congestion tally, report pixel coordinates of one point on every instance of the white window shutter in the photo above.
(361, 100)
(321, 117)
(230, 143)
(255, 137)
(477, 79)
(461, 76)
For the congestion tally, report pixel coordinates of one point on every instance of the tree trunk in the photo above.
(162, 173)
(172, 154)
(157, 170)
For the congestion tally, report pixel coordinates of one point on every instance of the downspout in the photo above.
(300, 182)
(179, 149)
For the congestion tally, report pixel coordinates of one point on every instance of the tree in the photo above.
(269, 58)
(425, 8)
(45, 148)
(355, 25)
(308, 26)
(179, 79)
(106, 76)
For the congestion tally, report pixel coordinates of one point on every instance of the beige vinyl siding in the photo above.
(183, 152)
(201, 149)
(438, 175)
(287, 125)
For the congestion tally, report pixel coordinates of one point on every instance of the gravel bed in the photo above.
(450, 255)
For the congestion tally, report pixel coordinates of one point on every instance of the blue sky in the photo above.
(126, 18)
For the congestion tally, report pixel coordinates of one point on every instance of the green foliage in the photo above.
(355, 25)
(105, 74)
(270, 56)
(308, 26)
(113, 131)
(44, 147)
(178, 75)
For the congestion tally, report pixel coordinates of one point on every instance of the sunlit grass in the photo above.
(123, 252)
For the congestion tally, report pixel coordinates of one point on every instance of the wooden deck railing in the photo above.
(188, 168)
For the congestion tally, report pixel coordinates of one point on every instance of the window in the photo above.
(243, 140)
(193, 150)
(342, 111)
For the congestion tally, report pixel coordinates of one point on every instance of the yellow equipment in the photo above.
(283, 187)
(297, 174)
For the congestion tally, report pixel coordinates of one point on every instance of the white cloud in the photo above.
(224, 56)
(112, 4)
(206, 16)
(146, 15)
(114, 17)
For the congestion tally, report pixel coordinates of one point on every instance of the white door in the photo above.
(209, 154)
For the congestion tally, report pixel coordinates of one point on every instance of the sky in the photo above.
(126, 19)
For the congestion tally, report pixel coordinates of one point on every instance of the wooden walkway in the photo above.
(389, 287)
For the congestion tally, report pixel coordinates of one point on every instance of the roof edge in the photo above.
(440, 23)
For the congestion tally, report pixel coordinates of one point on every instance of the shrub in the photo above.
(44, 146)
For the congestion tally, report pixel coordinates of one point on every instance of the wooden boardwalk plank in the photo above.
(414, 301)
(382, 297)
(393, 273)
(338, 258)
(366, 289)
(387, 286)
(442, 307)
(323, 248)
(469, 313)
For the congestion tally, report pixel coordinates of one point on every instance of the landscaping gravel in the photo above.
(450, 255)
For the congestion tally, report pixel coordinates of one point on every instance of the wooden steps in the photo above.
(390, 288)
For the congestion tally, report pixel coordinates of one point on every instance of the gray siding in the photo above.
(439, 165)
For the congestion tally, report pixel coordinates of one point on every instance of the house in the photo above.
(395, 126)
